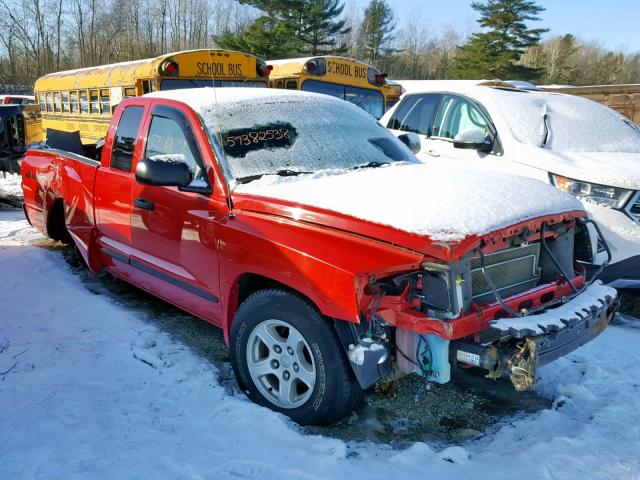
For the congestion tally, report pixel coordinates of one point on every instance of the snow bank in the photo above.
(10, 185)
(446, 203)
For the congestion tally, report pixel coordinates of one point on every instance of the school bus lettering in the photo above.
(235, 69)
(346, 69)
(209, 69)
(339, 68)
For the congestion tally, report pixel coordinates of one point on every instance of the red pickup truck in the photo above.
(329, 256)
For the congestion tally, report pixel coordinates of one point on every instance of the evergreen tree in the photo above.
(291, 27)
(317, 25)
(376, 31)
(266, 37)
(495, 53)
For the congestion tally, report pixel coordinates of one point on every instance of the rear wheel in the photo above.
(287, 357)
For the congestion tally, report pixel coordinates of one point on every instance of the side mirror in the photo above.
(411, 140)
(473, 140)
(163, 171)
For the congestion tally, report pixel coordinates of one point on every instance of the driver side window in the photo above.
(457, 115)
(167, 140)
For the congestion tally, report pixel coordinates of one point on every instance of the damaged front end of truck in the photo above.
(508, 302)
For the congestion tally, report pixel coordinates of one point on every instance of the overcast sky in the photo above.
(615, 23)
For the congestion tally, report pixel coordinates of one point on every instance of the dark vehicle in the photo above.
(19, 128)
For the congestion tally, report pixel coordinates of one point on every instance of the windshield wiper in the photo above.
(546, 131)
(282, 173)
(373, 164)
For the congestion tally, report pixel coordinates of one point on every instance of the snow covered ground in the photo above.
(10, 189)
(88, 389)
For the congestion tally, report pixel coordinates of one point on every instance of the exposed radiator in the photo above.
(513, 270)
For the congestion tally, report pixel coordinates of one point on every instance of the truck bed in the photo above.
(56, 183)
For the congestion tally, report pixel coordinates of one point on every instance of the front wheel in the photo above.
(287, 356)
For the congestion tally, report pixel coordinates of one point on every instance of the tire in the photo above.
(314, 385)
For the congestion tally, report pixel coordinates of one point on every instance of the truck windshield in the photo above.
(287, 135)
(572, 124)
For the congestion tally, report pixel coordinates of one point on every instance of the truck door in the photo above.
(175, 231)
(113, 185)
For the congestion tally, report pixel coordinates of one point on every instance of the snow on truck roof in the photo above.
(199, 98)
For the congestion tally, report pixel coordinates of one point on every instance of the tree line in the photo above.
(42, 36)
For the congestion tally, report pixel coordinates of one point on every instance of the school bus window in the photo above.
(57, 103)
(93, 102)
(43, 103)
(279, 84)
(129, 92)
(146, 87)
(49, 102)
(65, 102)
(84, 102)
(104, 102)
(292, 85)
(73, 96)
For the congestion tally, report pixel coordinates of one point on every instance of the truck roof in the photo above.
(198, 98)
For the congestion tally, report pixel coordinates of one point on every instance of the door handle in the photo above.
(144, 204)
(433, 153)
(28, 174)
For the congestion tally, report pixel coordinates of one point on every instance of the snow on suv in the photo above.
(579, 146)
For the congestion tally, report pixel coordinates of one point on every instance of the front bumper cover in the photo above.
(559, 331)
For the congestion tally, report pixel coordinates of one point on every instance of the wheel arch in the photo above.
(56, 224)
(248, 283)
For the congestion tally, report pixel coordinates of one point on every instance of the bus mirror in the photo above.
(411, 140)
(165, 172)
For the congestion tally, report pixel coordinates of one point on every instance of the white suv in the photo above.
(578, 145)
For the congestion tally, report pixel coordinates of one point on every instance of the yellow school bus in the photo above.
(393, 91)
(83, 100)
(340, 77)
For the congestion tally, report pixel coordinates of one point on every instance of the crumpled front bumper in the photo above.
(559, 331)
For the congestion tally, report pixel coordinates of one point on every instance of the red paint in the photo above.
(191, 239)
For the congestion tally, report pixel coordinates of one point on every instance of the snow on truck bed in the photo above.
(447, 203)
(98, 392)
